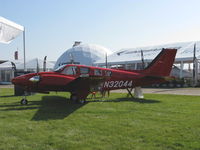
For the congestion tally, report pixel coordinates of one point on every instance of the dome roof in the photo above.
(84, 54)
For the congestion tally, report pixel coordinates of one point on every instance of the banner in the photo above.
(9, 30)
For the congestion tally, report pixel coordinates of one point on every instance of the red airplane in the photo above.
(81, 80)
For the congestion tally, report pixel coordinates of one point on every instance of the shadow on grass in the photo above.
(128, 100)
(58, 107)
(4, 96)
(55, 107)
(49, 108)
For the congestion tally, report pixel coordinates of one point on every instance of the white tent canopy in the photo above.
(133, 55)
(9, 30)
(32, 64)
(6, 65)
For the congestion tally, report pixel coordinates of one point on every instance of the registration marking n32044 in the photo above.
(118, 84)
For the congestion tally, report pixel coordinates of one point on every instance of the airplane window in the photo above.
(72, 70)
(108, 73)
(59, 68)
(98, 72)
(84, 70)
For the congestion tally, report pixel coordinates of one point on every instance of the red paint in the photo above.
(83, 82)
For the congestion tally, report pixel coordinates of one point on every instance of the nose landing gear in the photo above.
(24, 101)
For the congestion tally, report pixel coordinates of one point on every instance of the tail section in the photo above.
(162, 64)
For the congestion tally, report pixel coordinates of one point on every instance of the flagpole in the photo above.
(24, 48)
(106, 61)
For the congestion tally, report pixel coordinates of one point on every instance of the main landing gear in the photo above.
(137, 92)
(75, 98)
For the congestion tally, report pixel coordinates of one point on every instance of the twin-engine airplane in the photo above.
(81, 80)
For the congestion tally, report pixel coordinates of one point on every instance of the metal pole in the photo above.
(142, 58)
(181, 69)
(194, 65)
(24, 47)
(106, 61)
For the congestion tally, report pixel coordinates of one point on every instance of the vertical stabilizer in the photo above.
(162, 64)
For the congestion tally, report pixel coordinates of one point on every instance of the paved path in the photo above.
(177, 91)
(6, 86)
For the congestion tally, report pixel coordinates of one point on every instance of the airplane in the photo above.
(81, 80)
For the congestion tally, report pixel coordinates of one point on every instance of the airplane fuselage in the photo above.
(80, 80)
(106, 79)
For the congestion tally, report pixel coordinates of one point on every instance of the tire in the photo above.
(74, 98)
(24, 101)
(81, 101)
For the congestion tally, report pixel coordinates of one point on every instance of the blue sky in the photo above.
(52, 26)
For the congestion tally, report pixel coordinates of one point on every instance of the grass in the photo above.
(50, 122)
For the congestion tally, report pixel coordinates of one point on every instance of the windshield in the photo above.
(59, 68)
(70, 70)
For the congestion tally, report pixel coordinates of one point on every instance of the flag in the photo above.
(9, 30)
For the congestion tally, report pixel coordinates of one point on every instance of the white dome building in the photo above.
(84, 54)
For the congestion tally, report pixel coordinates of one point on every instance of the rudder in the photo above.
(162, 64)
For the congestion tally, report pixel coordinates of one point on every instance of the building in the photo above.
(85, 54)
(9, 68)
(132, 58)
(6, 72)
(36, 64)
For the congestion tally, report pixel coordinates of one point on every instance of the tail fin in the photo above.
(162, 64)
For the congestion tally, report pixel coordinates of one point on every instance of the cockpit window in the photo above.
(97, 72)
(108, 73)
(84, 70)
(71, 70)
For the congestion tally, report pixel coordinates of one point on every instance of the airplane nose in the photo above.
(13, 81)
(18, 80)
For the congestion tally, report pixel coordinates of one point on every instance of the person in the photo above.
(93, 94)
(103, 93)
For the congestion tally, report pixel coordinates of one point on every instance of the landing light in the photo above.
(35, 79)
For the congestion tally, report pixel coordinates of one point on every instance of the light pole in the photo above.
(24, 48)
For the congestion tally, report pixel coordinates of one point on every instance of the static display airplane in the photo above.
(81, 80)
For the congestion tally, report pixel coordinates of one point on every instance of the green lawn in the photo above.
(50, 122)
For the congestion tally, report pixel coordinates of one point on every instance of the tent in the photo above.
(33, 63)
(84, 54)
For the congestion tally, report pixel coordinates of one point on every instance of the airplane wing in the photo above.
(82, 86)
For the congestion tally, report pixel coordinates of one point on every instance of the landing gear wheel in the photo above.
(82, 101)
(74, 98)
(24, 101)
